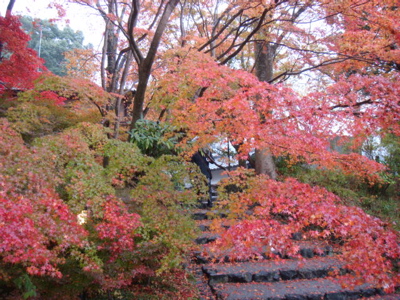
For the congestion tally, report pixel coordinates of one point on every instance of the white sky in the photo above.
(80, 17)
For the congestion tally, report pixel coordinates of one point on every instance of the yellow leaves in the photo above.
(82, 63)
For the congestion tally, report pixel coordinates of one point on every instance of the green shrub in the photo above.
(161, 199)
(82, 182)
(125, 163)
(154, 138)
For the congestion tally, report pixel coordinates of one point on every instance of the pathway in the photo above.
(289, 279)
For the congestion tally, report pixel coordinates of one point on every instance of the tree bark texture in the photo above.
(147, 63)
(265, 54)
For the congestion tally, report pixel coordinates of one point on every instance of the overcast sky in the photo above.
(80, 17)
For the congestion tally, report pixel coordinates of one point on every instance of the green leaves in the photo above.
(44, 188)
(82, 180)
(25, 284)
(52, 41)
(154, 138)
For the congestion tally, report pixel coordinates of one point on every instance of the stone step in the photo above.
(205, 214)
(203, 205)
(206, 237)
(205, 225)
(308, 249)
(213, 198)
(309, 289)
(269, 271)
(200, 214)
(288, 278)
(386, 297)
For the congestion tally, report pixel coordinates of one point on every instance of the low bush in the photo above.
(66, 233)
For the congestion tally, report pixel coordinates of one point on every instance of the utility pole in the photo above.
(40, 40)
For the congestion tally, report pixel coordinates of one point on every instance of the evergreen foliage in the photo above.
(52, 42)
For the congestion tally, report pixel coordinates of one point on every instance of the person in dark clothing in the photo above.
(199, 159)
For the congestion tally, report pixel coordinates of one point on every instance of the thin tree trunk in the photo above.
(265, 53)
(10, 8)
(103, 59)
(118, 105)
(146, 65)
(111, 49)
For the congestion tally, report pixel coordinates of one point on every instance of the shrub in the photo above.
(281, 209)
(379, 198)
(66, 231)
(162, 200)
(82, 183)
(154, 138)
(44, 248)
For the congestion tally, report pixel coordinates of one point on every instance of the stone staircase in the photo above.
(289, 278)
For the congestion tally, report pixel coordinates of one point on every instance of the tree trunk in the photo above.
(146, 65)
(265, 54)
(109, 52)
(10, 8)
(265, 163)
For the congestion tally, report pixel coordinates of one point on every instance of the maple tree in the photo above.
(82, 63)
(15, 57)
(227, 33)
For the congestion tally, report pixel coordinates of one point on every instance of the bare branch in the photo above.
(358, 104)
(132, 21)
(154, 20)
(248, 38)
(221, 30)
(239, 30)
(286, 74)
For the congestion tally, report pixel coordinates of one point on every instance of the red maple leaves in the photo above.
(40, 233)
(19, 65)
(281, 209)
(117, 229)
